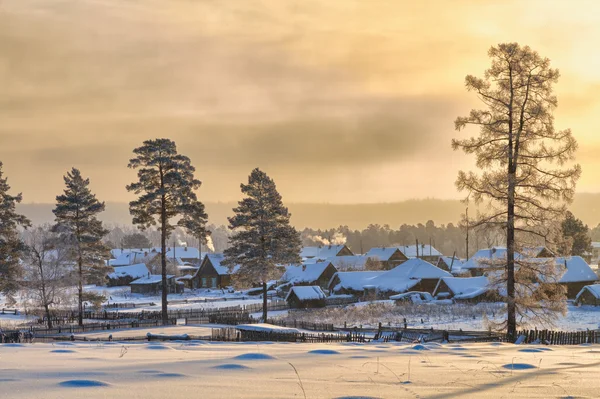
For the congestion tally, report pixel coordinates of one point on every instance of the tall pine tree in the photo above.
(11, 246)
(166, 185)
(263, 236)
(77, 223)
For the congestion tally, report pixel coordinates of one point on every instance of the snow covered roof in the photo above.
(410, 251)
(172, 252)
(493, 253)
(592, 289)
(306, 293)
(356, 262)
(131, 257)
(216, 259)
(133, 271)
(304, 273)
(381, 253)
(324, 252)
(407, 275)
(467, 287)
(353, 280)
(454, 261)
(577, 270)
(151, 279)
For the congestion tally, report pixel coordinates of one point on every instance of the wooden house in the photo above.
(124, 275)
(421, 251)
(314, 274)
(589, 295)
(415, 274)
(152, 285)
(351, 283)
(211, 274)
(306, 297)
(389, 257)
(577, 274)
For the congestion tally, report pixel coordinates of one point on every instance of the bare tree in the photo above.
(47, 270)
(526, 181)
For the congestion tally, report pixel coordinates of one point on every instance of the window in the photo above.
(204, 282)
(214, 282)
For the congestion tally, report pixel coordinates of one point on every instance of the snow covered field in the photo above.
(251, 370)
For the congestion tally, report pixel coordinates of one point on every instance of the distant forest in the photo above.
(360, 226)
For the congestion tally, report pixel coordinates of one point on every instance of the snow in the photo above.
(151, 279)
(134, 271)
(304, 273)
(354, 281)
(306, 293)
(490, 254)
(407, 275)
(283, 370)
(325, 252)
(382, 253)
(264, 327)
(467, 287)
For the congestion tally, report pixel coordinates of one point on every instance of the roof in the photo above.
(151, 279)
(577, 270)
(134, 271)
(323, 252)
(410, 251)
(592, 289)
(304, 273)
(306, 293)
(467, 287)
(454, 261)
(382, 253)
(407, 275)
(216, 259)
(493, 253)
(354, 280)
(356, 262)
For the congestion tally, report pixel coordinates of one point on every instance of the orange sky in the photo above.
(338, 100)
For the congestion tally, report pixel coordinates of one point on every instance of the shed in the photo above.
(589, 295)
(311, 296)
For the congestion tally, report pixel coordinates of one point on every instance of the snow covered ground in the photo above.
(284, 370)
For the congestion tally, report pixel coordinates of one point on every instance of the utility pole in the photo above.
(467, 226)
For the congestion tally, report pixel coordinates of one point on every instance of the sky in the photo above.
(340, 101)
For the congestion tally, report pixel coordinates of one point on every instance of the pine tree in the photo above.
(136, 240)
(525, 183)
(576, 237)
(11, 246)
(263, 236)
(80, 230)
(166, 185)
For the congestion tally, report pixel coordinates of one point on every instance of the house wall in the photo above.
(574, 288)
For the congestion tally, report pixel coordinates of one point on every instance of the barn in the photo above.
(303, 297)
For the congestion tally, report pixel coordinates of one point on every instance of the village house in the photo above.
(415, 274)
(482, 260)
(322, 253)
(577, 274)
(123, 275)
(211, 274)
(314, 274)
(389, 257)
(349, 263)
(152, 285)
(421, 251)
(589, 295)
(306, 297)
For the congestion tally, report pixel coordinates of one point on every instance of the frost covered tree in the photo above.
(11, 245)
(262, 234)
(165, 186)
(576, 237)
(47, 270)
(76, 217)
(527, 177)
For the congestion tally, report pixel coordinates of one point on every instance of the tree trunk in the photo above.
(264, 316)
(47, 308)
(511, 322)
(80, 292)
(163, 262)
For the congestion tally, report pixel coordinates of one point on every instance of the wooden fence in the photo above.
(234, 335)
(549, 337)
